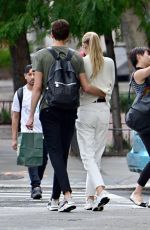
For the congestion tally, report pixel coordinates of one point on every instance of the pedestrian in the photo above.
(140, 59)
(58, 123)
(19, 118)
(93, 119)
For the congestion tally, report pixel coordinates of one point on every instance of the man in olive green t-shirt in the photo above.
(58, 124)
(76, 61)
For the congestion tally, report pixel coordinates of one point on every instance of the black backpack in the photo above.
(62, 90)
(20, 98)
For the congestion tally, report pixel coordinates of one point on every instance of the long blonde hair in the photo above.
(95, 51)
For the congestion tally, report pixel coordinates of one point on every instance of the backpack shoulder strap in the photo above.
(20, 96)
(129, 92)
(53, 52)
(69, 54)
(57, 56)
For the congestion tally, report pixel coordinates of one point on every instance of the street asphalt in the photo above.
(114, 170)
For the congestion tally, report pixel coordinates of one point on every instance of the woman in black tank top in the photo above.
(140, 59)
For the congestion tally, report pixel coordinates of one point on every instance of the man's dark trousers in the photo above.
(36, 173)
(58, 127)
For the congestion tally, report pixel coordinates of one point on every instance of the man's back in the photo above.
(43, 60)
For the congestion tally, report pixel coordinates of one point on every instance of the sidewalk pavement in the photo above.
(114, 170)
(6, 90)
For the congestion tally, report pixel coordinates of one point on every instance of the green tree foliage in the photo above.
(142, 10)
(17, 17)
(104, 15)
(101, 16)
(4, 58)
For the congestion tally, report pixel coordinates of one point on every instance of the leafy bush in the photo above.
(5, 59)
(5, 117)
(124, 101)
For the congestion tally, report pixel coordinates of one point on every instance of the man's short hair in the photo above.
(27, 68)
(60, 29)
(134, 52)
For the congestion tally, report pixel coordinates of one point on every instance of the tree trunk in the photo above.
(117, 132)
(132, 35)
(20, 58)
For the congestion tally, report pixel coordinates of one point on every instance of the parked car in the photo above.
(138, 157)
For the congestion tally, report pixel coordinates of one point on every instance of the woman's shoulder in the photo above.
(108, 60)
(86, 59)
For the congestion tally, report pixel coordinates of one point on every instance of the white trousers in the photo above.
(92, 126)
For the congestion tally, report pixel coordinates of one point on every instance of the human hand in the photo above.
(29, 123)
(14, 144)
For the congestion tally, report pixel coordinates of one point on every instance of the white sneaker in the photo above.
(67, 206)
(100, 201)
(53, 205)
(89, 204)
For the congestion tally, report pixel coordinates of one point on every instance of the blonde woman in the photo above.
(93, 119)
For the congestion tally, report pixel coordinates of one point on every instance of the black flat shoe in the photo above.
(142, 204)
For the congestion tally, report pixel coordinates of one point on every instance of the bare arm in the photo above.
(36, 94)
(15, 124)
(141, 74)
(88, 88)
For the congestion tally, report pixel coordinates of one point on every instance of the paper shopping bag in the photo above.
(30, 149)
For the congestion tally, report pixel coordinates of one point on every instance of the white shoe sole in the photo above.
(53, 209)
(67, 208)
(101, 204)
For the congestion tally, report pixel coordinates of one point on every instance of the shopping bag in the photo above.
(30, 149)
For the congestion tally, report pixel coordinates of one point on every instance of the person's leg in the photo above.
(53, 204)
(101, 133)
(56, 188)
(34, 177)
(145, 175)
(89, 190)
(136, 196)
(67, 130)
(67, 124)
(53, 121)
(91, 134)
(85, 125)
(50, 119)
(36, 192)
(85, 136)
(41, 168)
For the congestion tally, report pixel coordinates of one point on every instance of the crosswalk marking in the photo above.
(26, 194)
(116, 201)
